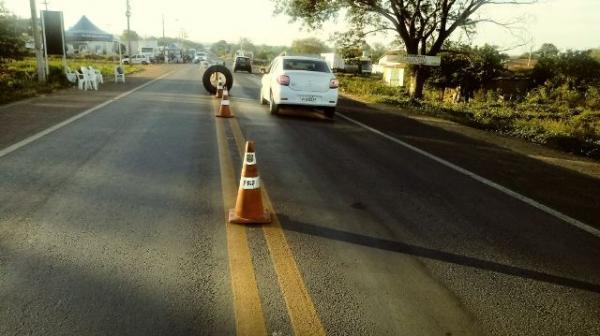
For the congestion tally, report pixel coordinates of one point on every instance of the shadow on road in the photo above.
(418, 251)
(565, 190)
(302, 113)
(93, 299)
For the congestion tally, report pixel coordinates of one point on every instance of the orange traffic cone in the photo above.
(224, 110)
(249, 206)
(225, 93)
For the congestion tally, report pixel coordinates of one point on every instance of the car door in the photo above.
(266, 80)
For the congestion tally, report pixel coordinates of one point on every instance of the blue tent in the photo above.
(85, 30)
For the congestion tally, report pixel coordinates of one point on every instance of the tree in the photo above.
(468, 67)
(266, 53)
(577, 69)
(221, 48)
(377, 50)
(349, 44)
(595, 53)
(547, 50)
(422, 25)
(309, 45)
(130, 36)
(12, 36)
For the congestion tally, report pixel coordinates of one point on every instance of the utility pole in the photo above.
(128, 14)
(39, 55)
(164, 41)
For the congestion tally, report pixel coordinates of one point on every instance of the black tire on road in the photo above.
(273, 108)
(329, 111)
(216, 69)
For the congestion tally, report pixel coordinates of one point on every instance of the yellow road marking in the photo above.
(304, 317)
(249, 316)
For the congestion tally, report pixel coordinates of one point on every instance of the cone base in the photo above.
(235, 219)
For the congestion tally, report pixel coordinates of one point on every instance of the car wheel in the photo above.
(273, 107)
(329, 111)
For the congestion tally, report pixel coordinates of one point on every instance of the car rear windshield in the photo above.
(306, 65)
(242, 60)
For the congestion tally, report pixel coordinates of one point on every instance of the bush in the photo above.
(559, 117)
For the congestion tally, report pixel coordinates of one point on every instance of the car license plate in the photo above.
(308, 99)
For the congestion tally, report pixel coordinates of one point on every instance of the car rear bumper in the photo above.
(287, 96)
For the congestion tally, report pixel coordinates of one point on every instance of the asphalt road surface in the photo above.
(115, 224)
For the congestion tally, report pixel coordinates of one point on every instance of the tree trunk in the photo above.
(417, 81)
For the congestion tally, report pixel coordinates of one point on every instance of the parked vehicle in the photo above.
(242, 63)
(296, 80)
(200, 56)
(137, 59)
(334, 61)
(150, 52)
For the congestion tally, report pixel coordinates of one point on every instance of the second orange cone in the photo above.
(225, 109)
(249, 207)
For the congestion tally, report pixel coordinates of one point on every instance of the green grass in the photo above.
(553, 121)
(18, 79)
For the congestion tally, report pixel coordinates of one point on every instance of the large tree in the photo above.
(13, 33)
(310, 45)
(422, 25)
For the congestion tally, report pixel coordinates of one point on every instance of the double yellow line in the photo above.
(249, 315)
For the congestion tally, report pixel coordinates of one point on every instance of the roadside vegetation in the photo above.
(18, 78)
(559, 107)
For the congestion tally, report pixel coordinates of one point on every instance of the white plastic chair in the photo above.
(82, 81)
(98, 73)
(119, 74)
(71, 75)
(90, 78)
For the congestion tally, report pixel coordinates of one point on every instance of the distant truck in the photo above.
(334, 61)
(150, 52)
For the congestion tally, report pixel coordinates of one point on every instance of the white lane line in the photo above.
(49, 130)
(578, 224)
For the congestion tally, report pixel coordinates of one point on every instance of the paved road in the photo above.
(114, 224)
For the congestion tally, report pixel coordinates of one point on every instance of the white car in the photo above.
(201, 56)
(297, 80)
(137, 59)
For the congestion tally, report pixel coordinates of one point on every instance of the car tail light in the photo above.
(283, 80)
(333, 83)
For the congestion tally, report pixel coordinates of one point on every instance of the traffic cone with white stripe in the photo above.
(225, 93)
(249, 207)
(224, 109)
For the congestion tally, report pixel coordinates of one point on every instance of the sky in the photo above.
(569, 24)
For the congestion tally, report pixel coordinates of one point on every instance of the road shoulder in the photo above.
(564, 182)
(21, 119)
